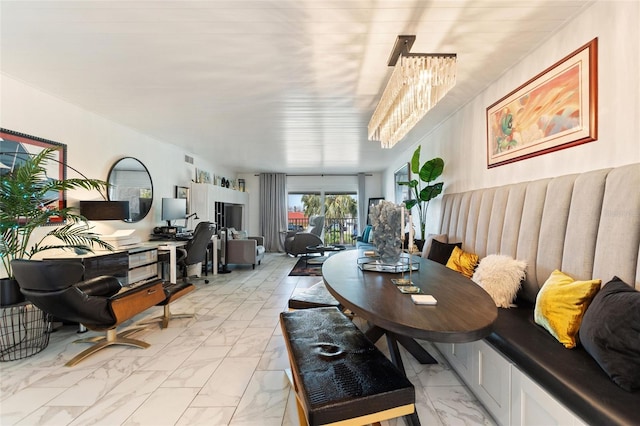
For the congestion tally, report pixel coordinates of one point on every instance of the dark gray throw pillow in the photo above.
(441, 252)
(610, 333)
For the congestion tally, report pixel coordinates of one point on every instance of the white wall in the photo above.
(95, 143)
(461, 139)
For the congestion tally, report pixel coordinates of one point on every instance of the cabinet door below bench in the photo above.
(532, 405)
(487, 374)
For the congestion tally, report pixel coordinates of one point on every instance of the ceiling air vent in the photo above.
(188, 159)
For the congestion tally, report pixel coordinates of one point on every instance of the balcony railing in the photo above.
(337, 230)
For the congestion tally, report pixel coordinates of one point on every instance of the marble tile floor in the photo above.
(225, 366)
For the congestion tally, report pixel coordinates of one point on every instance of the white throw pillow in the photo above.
(500, 276)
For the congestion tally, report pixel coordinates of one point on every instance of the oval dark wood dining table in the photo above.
(464, 311)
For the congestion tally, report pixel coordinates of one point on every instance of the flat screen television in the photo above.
(173, 209)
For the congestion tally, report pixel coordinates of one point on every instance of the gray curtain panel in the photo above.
(273, 210)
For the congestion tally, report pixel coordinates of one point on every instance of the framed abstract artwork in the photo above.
(16, 148)
(554, 110)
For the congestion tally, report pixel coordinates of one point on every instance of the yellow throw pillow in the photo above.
(463, 262)
(561, 304)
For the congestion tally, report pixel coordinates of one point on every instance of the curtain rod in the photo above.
(325, 174)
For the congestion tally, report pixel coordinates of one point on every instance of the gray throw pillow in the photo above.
(610, 333)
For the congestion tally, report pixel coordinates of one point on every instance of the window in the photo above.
(339, 208)
(302, 205)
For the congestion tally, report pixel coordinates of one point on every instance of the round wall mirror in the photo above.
(129, 180)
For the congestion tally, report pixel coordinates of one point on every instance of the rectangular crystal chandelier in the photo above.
(418, 82)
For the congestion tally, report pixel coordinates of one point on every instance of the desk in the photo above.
(171, 247)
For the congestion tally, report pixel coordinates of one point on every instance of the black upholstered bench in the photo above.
(572, 376)
(338, 374)
(316, 296)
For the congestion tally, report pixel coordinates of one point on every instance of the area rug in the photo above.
(312, 269)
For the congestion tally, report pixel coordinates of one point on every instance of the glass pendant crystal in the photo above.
(417, 84)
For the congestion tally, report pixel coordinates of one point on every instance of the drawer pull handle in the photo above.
(151, 291)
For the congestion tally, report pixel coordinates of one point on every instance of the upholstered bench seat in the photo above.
(316, 296)
(572, 376)
(338, 374)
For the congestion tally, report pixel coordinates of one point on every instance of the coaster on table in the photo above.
(409, 289)
(424, 299)
(401, 281)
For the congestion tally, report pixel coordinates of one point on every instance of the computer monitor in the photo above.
(174, 208)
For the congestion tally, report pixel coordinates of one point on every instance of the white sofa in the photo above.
(586, 225)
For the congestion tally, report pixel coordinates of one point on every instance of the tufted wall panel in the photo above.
(587, 225)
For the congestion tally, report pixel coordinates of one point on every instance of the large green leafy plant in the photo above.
(423, 189)
(24, 207)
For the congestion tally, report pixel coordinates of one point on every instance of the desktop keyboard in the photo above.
(181, 236)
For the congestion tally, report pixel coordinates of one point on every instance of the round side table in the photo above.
(24, 331)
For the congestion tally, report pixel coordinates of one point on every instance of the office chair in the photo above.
(194, 252)
(196, 249)
(100, 304)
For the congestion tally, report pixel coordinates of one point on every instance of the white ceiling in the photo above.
(273, 85)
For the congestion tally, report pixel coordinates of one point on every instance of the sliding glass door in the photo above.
(301, 206)
(339, 208)
(341, 217)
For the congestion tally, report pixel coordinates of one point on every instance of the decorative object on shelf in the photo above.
(387, 220)
(426, 173)
(416, 85)
(556, 109)
(203, 176)
(223, 182)
(241, 185)
(27, 203)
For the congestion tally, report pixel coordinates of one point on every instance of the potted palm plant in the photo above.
(25, 205)
(423, 189)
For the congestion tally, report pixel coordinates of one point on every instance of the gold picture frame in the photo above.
(554, 110)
